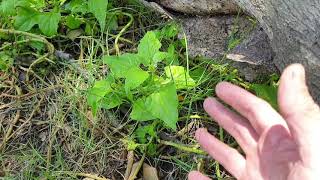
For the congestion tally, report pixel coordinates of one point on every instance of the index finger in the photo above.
(260, 114)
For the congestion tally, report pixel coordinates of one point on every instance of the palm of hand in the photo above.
(275, 157)
(276, 146)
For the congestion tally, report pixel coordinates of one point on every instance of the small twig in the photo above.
(6, 105)
(185, 130)
(136, 171)
(130, 158)
(31, 93)
(9, 131)
(30, 117)
(183, 147)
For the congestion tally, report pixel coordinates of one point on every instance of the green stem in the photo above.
(183, 147)
(34, 36)
(217, 164)
(116, 45)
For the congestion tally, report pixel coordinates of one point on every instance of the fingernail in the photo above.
(297, 72)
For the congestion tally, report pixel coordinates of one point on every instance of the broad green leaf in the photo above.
(121, 64)
(268, 93)
(142, 133)
(97, 93)
(179, 76)
(49, 22)
(159, 56)
(6, 61)
(37, 4)
(77, 6)
(170, 30)
(72, 22)
(99, 9)
(73, 34)
(148, 47)
(134, 78)
(140, 111)
(164, 105)
(88, 29)
(26, 18)
(199, 73)
(172, 57)
(110, 101)
(39, 46)
(112, 21)
(7, 7)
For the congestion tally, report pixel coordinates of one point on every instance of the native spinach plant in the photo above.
(27, 22)
(45, 16)
(148, 80)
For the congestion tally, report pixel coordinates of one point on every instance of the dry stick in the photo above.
(31, 93)
(9, 131)
(135, 173)
(185, 130)
(49, 152)
(6, 105)
(30, 117)
(130, 157)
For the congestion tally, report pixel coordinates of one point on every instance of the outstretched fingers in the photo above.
(236, 125)
(228, 157)
(260, 114)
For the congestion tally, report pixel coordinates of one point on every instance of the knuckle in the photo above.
(254, 110)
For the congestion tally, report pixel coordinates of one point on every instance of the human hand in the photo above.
(276, 146)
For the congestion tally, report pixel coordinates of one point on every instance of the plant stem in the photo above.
(183, 147)
(116, 45)
(34, 36)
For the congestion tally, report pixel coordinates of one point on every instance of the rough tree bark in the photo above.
(293, 27)
(201, 7)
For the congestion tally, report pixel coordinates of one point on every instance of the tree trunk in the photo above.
(293, 27)
(200, 7)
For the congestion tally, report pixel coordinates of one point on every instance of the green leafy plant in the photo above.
(6, 61)
(268, 91)
(29, 14)
(135, 79)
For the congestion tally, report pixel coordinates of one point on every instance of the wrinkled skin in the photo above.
(277, 146)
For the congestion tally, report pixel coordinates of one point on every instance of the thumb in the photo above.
(295, 102)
